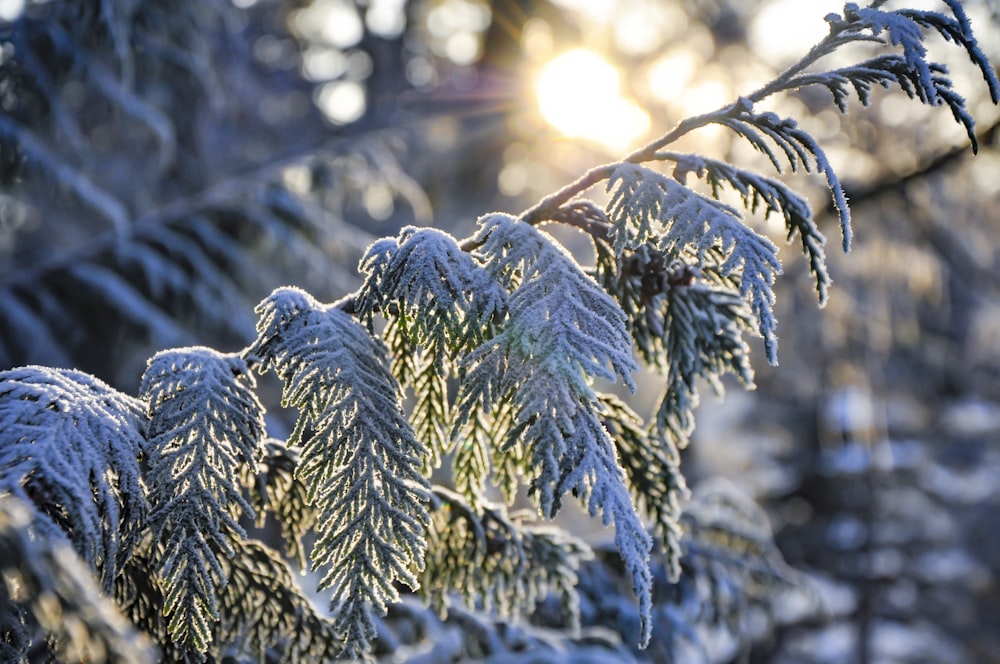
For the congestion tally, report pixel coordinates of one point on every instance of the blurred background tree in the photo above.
(166, 164)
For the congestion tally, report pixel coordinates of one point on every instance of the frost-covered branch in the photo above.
(70, 445)
(359, 460)
(49, 593)
(483, 360)
(495, 561)
(205, 425)
(563, 332)
(916, 75)
(651, 210)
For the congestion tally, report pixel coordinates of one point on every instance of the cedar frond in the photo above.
(652, 466)
(71, 445)
(758, 191)
(359, 457)
(497, 562)
(439, 303)
(205, 426)
(275, 489)
(563, 331)
(49, 603)
(650, 209)
(266, 616)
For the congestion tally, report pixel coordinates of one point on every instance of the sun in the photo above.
(579, 94)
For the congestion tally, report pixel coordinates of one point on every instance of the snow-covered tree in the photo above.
(123, 519)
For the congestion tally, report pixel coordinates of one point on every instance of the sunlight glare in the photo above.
(579, 94)
(386, 18)
(670, 74)
(334, 21)
(705, 96)
(537, 40)
(641, 28)
(598, 11)
(463, 48)
(456, 28)
(785, 29)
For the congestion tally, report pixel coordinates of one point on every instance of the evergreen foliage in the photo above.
(72, 447)
(650, 210)
(205, 423)
(502, 340)
(497, 562)
(274, 488)
(442, 303)
(360, 458)
(150, 218)
(49, 593)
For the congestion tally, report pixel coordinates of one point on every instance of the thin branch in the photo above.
(787, 79)
(546, 208)
(99, 199)
(933, 165)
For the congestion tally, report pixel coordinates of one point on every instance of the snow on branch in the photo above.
(919, 77)
(652, 465)
(905, 28)
(494, 560)
(70, 445)
(767, 131)
(359, 457)
(205, 426)
(439, 302)
(702, 338)
(47, 586)
(425, 272)
(691, 331)
(563, 331)
(758, 191)
(650, 209)
(959, 31)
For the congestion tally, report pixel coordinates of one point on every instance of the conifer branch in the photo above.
(70, 445)
(48, 590)
(359, 457)
(274, 488)
(563, 331)
(149, 492)
(918, 76)
(264, 614)
(205, 427)
(440, 303)
(758, 192)
(651, 210)
(497, 562)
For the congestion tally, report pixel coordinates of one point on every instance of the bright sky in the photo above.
(783, 30)
(780, 31)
